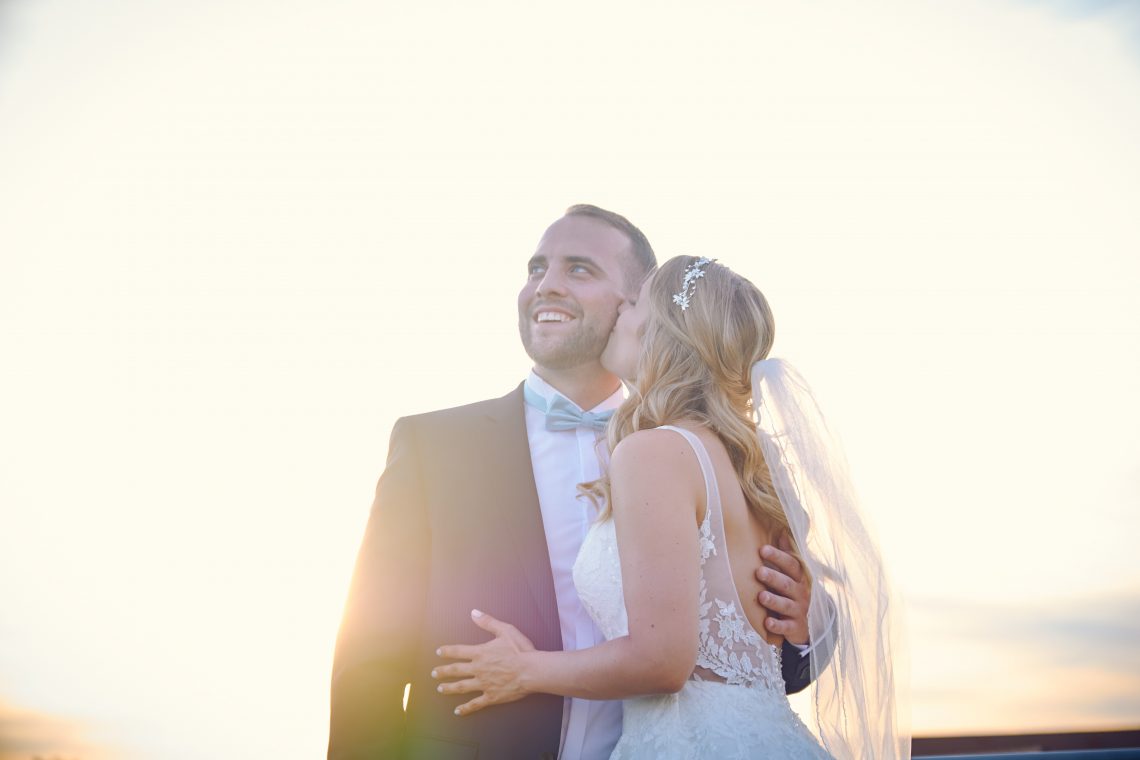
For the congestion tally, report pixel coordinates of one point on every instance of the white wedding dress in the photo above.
(733, 705)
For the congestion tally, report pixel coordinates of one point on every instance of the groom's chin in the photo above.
(561, 352)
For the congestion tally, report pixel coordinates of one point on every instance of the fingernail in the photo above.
(456, 710)
(439, 652)
(433, 673)
(439, 688)
(476, 614)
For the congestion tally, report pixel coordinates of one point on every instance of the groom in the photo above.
(477, 508)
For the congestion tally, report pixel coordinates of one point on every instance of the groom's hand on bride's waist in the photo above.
(787, 593)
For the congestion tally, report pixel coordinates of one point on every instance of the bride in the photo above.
(716, 450)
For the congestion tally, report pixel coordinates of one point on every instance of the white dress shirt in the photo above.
(561, 460)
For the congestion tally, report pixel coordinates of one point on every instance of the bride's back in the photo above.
(743, 533)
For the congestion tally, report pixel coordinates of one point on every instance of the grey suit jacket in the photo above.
(455, 526)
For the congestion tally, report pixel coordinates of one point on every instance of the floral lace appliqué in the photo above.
(728, 646)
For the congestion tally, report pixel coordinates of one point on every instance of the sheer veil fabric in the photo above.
(858, 704)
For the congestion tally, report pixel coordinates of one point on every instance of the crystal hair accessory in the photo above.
(693, 272)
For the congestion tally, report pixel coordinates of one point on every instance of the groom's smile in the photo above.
(552, 316)
(546, 314)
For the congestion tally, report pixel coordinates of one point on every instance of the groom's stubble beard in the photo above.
(582, 346)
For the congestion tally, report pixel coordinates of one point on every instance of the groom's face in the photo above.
(576, 280)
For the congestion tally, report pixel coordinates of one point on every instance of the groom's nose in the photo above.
(552, 282)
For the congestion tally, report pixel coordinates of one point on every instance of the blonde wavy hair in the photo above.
(696, 367)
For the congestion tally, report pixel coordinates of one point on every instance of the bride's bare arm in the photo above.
(656, 488)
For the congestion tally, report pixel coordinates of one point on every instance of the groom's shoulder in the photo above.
(472, 413)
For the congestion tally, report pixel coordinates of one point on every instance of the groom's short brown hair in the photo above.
(644, 258)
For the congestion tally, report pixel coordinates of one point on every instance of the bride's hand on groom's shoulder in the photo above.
(787, 593)
(494, 668)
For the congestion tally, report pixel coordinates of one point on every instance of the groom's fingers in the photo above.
(783, 561)
(786, 618)
(778, 604)
(777, 626)
(786, 593)
(775, 581)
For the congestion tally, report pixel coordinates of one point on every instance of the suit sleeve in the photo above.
(384, 614)
(796, 668)
(796, 665)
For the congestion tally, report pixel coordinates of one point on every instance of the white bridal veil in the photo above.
(856, 706)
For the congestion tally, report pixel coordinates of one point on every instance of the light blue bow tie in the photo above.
(561, 414)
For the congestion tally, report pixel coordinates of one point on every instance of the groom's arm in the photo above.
(380, 631)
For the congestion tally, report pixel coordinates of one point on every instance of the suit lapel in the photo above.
(517, 508)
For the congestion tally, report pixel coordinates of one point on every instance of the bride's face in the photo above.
(622, 352)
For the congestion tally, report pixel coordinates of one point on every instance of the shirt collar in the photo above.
(548, 392)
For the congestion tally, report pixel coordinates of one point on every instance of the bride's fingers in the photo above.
(458, 651)
(473, 706)
(459, 687)
(454, 670)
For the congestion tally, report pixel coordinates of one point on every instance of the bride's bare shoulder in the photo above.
(656, 442)
(660, 459)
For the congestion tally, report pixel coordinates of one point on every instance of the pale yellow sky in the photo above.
(238, 239)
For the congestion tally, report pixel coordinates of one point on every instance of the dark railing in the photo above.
(1091, 745)
(1078, 754)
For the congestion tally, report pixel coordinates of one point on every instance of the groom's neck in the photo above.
(585, 386)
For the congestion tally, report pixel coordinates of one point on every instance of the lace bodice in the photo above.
(729, 649)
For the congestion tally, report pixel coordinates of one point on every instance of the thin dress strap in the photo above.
(712, 493)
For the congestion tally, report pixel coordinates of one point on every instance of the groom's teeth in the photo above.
(550, 316)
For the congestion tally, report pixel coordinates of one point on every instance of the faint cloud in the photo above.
(1124, 15)
(9, 13)
(1110, 625)
(1073, 662)
(1084, 7)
